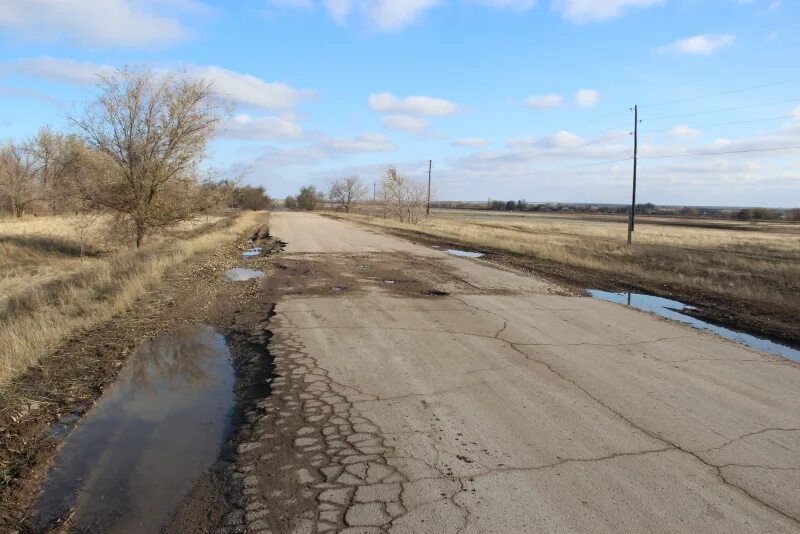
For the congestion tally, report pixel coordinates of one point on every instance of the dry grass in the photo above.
(762, 267)
(56, 295)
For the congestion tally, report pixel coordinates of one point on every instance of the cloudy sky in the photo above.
(509, 98)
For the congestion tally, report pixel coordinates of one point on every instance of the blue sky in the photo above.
(509, 98)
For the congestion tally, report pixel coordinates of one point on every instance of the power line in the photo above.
(722, 93)
(753, 106)
(547, 171)
(773, 149)
(726, 123)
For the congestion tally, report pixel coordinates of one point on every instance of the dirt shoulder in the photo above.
(40, 406)
(776, 322)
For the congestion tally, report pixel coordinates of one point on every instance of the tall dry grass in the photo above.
(35, 321)
(737, 264)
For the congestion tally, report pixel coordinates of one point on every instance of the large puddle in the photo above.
(129, 462)
(672, 309)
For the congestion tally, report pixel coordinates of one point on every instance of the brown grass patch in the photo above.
(52, 294)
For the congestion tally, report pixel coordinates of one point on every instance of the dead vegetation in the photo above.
(52, 294)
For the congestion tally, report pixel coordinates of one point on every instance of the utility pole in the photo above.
(374, 185)
(632, 218)
(430, 166)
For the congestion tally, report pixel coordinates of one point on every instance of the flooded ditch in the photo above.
(129, 462)
(673, 309)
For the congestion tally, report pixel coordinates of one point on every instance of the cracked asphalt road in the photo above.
(504, 406)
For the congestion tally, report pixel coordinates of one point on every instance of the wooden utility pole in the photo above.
(430, 166)
(374, 185)
(632, 218)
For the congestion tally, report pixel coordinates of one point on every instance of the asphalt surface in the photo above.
(507, 406)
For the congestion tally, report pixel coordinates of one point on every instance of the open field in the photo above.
(49, 292)
(750, 271)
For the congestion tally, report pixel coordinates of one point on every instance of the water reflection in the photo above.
(464, 253)
(240, 275)
(135, 455)
(672, 309)
(255, 251)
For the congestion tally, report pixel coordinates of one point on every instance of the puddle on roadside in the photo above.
(131, 460)
(464, 253)
(671, 309)
(240, 274)
(253, 252)
(337, 289)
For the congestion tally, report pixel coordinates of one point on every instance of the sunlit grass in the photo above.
(74, 295)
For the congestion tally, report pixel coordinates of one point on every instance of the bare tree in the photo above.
(403, 198)
(18, 185)
(346, 192)
(153, 132)
(55, 156)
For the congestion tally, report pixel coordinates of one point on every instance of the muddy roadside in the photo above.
(778, 323)
(40, 407)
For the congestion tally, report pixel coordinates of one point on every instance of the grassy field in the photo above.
(752, 265)
(49, 292)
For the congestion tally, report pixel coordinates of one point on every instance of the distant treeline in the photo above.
(747, 214)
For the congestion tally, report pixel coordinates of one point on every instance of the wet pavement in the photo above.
(130, 461)
(672, 309)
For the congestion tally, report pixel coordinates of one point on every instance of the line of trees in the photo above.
(135, 152)
(400, 197)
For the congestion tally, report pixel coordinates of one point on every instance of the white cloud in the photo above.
(404, 123)
(595, 10)
(415, 105)
(249, 90)
(518, 5)
(339, 10)
(394, 14)
(106, 23)
(544, 101)
(231, 86)
(469, 142)
(299, 4)
(699, 44)
(391, 15)
(587, 97)
(62, 70)
(244, 126)
(562, 139)
(684, 131)
(369, 142)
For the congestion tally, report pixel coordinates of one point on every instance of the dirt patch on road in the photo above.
(396, 274)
